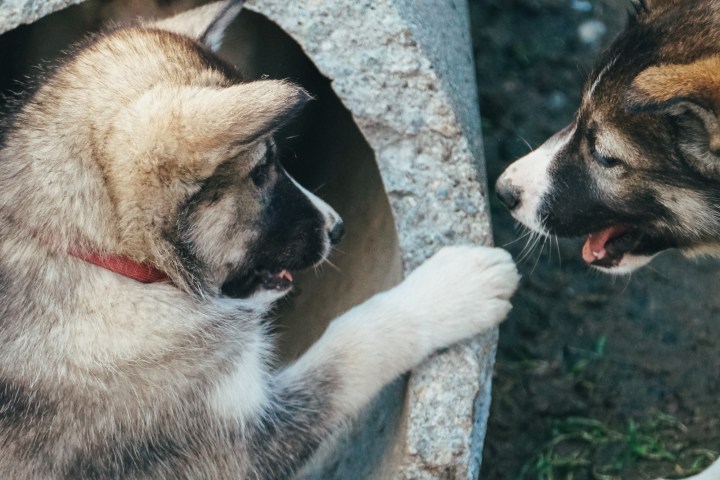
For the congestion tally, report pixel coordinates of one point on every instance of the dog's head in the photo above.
(175, 154)
(638, 170)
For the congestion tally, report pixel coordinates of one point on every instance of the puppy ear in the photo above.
(191, 130)
(689, 92)
(205, 24)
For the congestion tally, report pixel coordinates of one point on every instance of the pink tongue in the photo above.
(286, 275)
(594, 248)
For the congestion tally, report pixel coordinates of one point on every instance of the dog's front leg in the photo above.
(459, 292)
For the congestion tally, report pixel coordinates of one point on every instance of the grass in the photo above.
(582, 448)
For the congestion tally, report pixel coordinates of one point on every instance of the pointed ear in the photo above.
(197, 128)
(205, 24)
(690, 92)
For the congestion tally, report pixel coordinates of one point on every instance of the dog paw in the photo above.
(459, 292)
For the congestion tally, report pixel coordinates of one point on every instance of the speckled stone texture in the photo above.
(18, 12)
(404, 70)
(408, 79)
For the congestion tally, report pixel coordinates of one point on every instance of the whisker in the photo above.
(526, 142)
(332, 265)
(336, 249)
(658, 272)
(550, 250)
(557, 245)
(522, 237)
(285, 149)
(530, 246)
(542, 249)
(627, 283)
(528, 242)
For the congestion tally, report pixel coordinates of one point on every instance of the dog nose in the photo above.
(337, 232)
(508, 195)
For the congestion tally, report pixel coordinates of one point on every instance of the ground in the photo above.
(596, 377)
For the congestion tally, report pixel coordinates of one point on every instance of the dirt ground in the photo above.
(597, 377)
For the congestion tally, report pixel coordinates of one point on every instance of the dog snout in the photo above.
(508, 194)
(337, 232)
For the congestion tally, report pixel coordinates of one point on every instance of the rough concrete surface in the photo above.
(18, 12)
(400, 101)
(404, 70)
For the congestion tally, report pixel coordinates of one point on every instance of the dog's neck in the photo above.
(140, 272)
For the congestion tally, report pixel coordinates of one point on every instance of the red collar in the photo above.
(141, 272)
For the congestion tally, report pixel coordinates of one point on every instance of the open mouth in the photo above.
(243, 286)
(607, 248)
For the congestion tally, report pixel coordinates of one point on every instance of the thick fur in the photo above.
(638, 170)
(143, 144)
(644, 147)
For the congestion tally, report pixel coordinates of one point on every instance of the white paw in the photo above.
(459, 292)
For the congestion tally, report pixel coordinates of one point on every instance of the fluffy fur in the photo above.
(643, 151)
(143, 144)
(638, 170)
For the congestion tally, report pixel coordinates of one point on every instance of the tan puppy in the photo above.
(143, 157)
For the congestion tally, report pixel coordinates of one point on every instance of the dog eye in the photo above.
(606, 162)
(261, 173)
